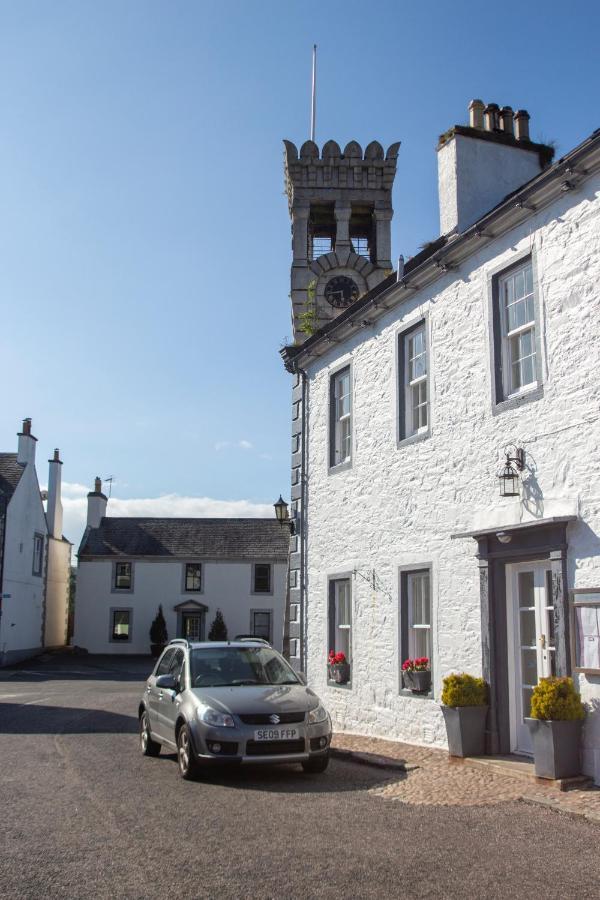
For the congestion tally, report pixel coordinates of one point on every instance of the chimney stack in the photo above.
(96, 505)
(27, 442)
(480, 164)
(54, 509)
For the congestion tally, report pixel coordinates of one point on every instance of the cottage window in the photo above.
(415, 614)
(517, 317)
(416, 400)
(121, 625)
(38, 554)
(340, 617)
(261, 582)
(261, 623)
(123, 576)
(341, 418)
(193, 576)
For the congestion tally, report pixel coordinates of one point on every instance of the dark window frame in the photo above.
(115, 588)
(111, 625)
(500, 400)
(255, 589)
(334, 466)
(331, 618)
(37, 562)
(269, 612)
(403, 437)
(193, 590)
(403, 623)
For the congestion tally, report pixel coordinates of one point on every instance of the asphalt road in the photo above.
(85, 815)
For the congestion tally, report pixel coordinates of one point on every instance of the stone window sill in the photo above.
(405, 692)
(335, 684)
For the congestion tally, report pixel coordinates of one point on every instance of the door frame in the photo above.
(191, 608)
(536, 541)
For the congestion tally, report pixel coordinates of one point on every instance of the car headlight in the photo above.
(212, 717)
(318, 714)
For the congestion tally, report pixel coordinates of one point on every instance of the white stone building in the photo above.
(34, 555)
(191, 567)
(406, 401)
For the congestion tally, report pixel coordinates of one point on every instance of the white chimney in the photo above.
(96, 505)
(27, 442)
(54, 510)
(480, 164)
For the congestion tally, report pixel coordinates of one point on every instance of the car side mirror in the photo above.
(166, 681)
(302, 677)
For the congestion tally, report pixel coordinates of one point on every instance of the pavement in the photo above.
(85, 815)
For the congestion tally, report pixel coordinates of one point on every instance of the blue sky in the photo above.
(145, 234)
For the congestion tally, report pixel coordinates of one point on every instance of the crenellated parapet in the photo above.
(351, 169)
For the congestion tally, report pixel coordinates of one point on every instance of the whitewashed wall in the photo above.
(399, 505)
(57, 592)
(22, 624)
(226, 586)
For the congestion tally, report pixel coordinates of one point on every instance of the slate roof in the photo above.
(10, 474)
(238, 539)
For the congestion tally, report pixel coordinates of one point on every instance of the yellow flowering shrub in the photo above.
(556, 698)
(464, 690)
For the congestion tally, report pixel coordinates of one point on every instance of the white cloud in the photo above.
(242, 444)
(74, 499)
(246, 445)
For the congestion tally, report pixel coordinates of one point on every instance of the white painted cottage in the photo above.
(411, 389)
(191, 567)
(34, 555)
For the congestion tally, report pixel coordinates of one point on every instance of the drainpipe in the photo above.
(302, 525)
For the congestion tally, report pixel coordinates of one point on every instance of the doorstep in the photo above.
(522, 767)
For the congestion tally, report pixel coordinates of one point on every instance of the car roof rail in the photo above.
(183, 641)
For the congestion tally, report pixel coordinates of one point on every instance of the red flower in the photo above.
(336, 659)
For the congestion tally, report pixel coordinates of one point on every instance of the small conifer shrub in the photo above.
(218, 629)
(464, 690)
(556, 698)
(158, 629)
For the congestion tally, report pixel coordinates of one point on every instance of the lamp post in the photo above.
(283, 515)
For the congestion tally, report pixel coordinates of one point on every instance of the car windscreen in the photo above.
(234, 666)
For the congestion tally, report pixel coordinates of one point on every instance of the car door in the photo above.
(153, 693)
(169, 700)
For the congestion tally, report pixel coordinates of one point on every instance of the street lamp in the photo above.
(282, 514)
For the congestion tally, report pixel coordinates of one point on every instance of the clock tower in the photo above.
(341, 210)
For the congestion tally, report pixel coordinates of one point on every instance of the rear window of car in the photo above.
(238, 666)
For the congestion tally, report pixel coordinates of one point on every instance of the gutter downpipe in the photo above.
(301, 529)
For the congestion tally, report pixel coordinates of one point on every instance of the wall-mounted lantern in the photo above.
(283, 515)
(509, 476)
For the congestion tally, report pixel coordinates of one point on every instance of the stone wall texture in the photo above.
(398, 504)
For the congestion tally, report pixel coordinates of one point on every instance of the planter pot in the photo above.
(556, 747)
(340, 673)
(156, 649)
(417, 682)
(465, 727)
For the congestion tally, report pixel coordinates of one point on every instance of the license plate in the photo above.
(277, 734)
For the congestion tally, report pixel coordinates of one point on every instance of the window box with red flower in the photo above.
(338, 667)
(416, 674)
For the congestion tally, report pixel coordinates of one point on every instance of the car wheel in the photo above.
(149, 746)
(316, 765)
(188, 767)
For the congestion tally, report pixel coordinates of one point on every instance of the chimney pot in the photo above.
(26, 426)
(400, 270)
(506, 120)
(522, 125)
(98, 485)
(476, 108)
(56, 455)
(490, 117)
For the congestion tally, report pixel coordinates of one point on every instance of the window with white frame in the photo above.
(193, 577)
(340, 617)
(416, 400)
(516, 315)
(341, 418)
(419, 614)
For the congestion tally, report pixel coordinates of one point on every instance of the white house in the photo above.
(410, 393)
(191, 567)
(34, 555)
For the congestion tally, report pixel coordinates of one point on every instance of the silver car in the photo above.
(232, 702)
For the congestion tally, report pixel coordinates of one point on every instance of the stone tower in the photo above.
(341, 210)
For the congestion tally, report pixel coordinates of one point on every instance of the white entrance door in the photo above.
(531, 648)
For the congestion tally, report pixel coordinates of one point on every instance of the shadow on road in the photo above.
(339, 777)
(80, 668)
(16, 718)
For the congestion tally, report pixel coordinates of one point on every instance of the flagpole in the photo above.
(313, 107)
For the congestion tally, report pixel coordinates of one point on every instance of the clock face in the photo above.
(341, 291)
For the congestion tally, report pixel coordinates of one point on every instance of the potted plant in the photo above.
(339, 667)
(416, 674)
(218, 629)
(158, 634)
(465, 706)
(557, 715)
